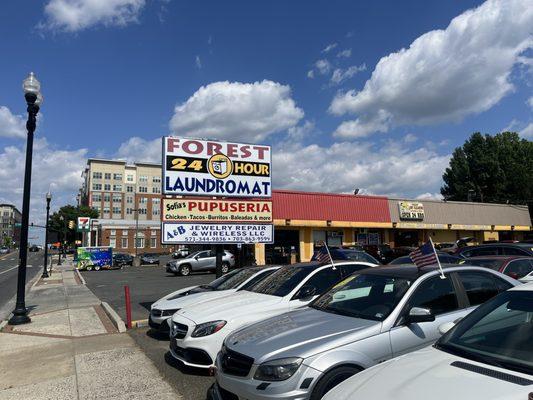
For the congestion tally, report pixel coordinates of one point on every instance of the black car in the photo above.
(341, 254)
(34, 248)
(444, 258)
(149, 258)
(120, 259)
(496, 249)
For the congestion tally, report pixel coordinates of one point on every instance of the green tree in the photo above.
(491, 168)
(70, 213)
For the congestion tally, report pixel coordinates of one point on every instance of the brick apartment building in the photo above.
(10, 216)
(128, 198)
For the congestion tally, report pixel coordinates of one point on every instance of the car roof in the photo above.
(527, 287)
(503, 258)
(410, 271)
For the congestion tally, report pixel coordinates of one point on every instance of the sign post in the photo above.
(226, 189)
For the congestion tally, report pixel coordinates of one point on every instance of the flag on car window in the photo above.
(424, 255)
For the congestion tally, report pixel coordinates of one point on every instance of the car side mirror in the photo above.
(419, 314)
(196, 257)
(306, 292)
(445, 327)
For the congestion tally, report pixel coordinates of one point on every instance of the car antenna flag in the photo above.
(324, 256)
(426, 255)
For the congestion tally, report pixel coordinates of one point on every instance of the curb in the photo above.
(77, 271)
(140, 323)
(114, 317)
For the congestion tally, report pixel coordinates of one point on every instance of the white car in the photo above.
(238, 279)
(487, 356)
(197, 332)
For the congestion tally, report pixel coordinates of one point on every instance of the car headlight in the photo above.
(169, 313)
(208, 328)
(278, 370)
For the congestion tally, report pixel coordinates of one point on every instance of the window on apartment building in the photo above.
(153, 243)
(129, 199)
(107, 186)
(155, 211)
(117, 188)
(112, 232)
(106, 210)
(129, 189)
(153, 233)
(129, 211)
(143, 211)
(143, 178)
(156, 179)
(139, 242)
(124, 243)
(143, 200)
(107, 175)
(117, 177)
(96, 197)
(117, 198)
(155, 200)
(129, 178)
(97, 208)
(143, 189)
(156, 189)
(107, 197)
(117, 210)
(112, 242)
(97, 175)
(97, 186)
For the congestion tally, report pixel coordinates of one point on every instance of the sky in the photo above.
(373, 95)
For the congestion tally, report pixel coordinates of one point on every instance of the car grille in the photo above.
(191, 355)
(179, 331)
(227, 395)
(233, 363)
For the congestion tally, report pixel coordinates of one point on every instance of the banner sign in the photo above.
(411, 210)
(83, 224)
(185, 233)
(212, 168)
(206, 210)
(100, 257)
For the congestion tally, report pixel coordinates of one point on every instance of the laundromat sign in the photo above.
(212, 168)
(208, 210)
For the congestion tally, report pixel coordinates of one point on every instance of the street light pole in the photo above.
(34, 99)
(45, 269)
(61, 218)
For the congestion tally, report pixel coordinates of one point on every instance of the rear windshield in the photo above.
(486, 263)
(283, 281)
(232, 279)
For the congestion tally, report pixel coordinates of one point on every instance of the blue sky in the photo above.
(118, 74)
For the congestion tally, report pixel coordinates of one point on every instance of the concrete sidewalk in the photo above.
(72, 350)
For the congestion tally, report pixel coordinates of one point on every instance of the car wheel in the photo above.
(89, 267)
(225, 267)
(332, 379)
(185, 270)
(97, 268)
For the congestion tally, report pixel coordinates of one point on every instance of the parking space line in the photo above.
(10, 269)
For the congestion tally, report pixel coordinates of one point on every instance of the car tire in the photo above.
(225, 267)
(332, 379)
(89, 268)
(97, 268)
(185, 270)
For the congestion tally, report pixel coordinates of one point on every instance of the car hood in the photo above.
(235, 306)
(300, 333)
(428, 373)
(190, 297)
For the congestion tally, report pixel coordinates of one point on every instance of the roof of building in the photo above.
(329, 207)
(466, 213)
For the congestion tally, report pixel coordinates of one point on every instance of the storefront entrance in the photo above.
(406, 238)
(286, 247)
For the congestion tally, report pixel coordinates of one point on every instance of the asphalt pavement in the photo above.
(8, 277)
(147, 284)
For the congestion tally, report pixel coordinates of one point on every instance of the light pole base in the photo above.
(45, 275)
(19, 317)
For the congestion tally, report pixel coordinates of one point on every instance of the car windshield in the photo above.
(498, 333)
(486, 263)
(283, 281)
(193, 254)
(366, 296)
(232, 279)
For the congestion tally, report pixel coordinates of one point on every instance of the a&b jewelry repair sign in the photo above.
(186, 233)
(211, 168)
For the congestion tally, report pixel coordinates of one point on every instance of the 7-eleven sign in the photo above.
(84, 224)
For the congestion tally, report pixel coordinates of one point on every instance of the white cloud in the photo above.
(311, 74)
(323, 66)
(340, 75)
(448, 74)
(345, 53)
(137, 149)
(410, 138)
(527, 132)
(76, 15)
(362, 128)
(53, 167)
(382, 168)
(530, 102)
(329, 47)
(429, 196)
(11, 125)
(237, 111)
(198, 62)
(298, 133)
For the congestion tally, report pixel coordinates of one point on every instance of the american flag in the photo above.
(323, 256)
(424, 255)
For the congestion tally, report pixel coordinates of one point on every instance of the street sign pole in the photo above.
(219, 252)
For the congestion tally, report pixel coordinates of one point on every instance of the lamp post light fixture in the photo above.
(45, 268)
(34, 99)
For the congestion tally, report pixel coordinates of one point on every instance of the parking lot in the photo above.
(147, 283)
